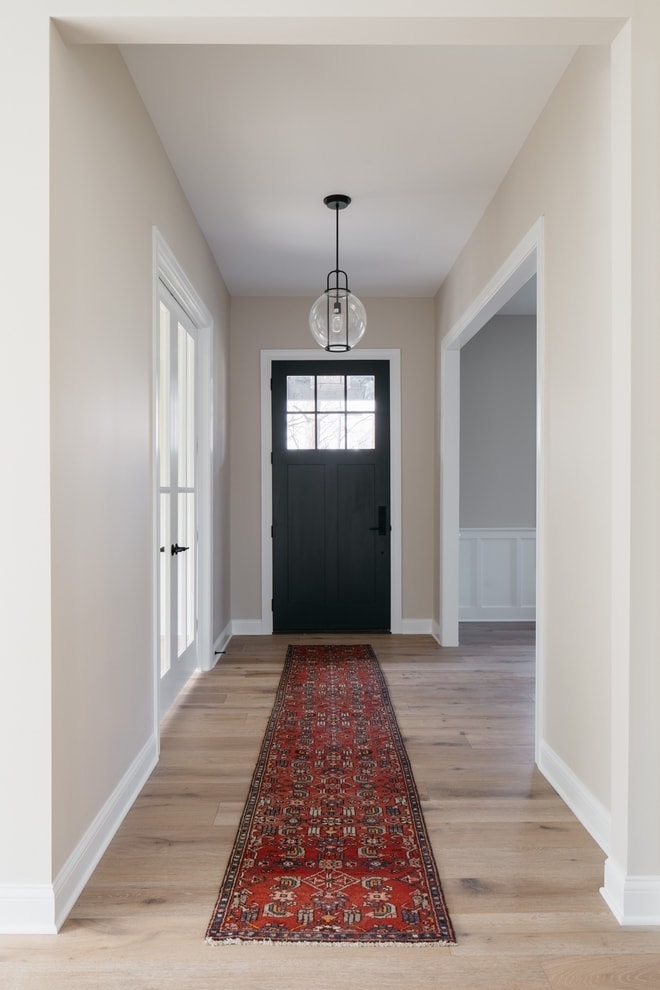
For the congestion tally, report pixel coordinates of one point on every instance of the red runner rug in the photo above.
(332, 845)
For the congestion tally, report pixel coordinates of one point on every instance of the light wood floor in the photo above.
(520, 875)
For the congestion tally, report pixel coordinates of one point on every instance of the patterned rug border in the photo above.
(430, 868)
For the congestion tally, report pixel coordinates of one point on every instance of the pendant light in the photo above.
(337, 320)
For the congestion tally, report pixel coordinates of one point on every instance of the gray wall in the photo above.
(498, 425)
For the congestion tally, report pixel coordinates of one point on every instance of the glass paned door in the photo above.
(331, 495)
(177, 469)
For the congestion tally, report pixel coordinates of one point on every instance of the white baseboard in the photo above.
(585, 806)
(83, 860)
(221, 643)
(255, 627)
(249, 627)
(42, 909)
(497, 615)
(27, 909)
(417, 627)
(633, 900)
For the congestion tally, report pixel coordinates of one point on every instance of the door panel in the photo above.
(305, 564)
(331, 473)
(356, 498)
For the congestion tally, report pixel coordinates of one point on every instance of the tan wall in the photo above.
(110, 183)
(562, 173)
(406, 324)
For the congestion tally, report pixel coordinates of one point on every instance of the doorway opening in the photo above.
(525, 262)
(497, 537)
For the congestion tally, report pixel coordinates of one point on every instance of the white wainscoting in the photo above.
(497, 569)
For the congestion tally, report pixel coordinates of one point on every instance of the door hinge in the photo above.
(272, 532)
(271, 457)
(271, 384)
(272, 604)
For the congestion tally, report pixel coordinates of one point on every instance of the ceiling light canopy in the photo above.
(337, 320)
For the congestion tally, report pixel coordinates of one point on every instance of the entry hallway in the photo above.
(520, 875)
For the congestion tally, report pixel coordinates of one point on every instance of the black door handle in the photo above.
(177, 549)
(381, 528)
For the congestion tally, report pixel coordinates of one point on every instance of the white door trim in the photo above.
(167, 269)
(267, 357)
(522, 263)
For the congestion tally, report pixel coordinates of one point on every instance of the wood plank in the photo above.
(520, 874)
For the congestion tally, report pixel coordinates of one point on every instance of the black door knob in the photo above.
(177, 549)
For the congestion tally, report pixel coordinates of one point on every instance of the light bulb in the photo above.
(336, 323)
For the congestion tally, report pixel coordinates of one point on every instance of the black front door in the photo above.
(331, 495)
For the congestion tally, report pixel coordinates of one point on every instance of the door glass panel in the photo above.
(185, 562)
(360, 431)
(164, 405)
(300, 393)
(300, 431)
(165, 585)
(331, 431)
(330, 389)
(360, 393)
(191, 440)
(186, 408)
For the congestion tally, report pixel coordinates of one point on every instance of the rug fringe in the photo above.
(281, 943)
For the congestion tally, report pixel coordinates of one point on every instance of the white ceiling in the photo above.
(420, 138)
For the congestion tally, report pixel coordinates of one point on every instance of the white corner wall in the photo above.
(562, 174)
(110, 183)
(590, 167)
(26, 896)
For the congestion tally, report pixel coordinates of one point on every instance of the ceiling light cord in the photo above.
(337, 320)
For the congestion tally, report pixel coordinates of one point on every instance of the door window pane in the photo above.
(300, 431)
(165, 587)
(186, 407)
(360, 393)
(330, 390)
(360, 431)
(185, 563)
(164, 406)
(331, 432)
(300, 393)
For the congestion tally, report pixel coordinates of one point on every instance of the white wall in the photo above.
(110, 183)
(25, 708)
(392, 323)
(498, 425)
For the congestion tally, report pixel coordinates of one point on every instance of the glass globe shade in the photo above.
(337, 320)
